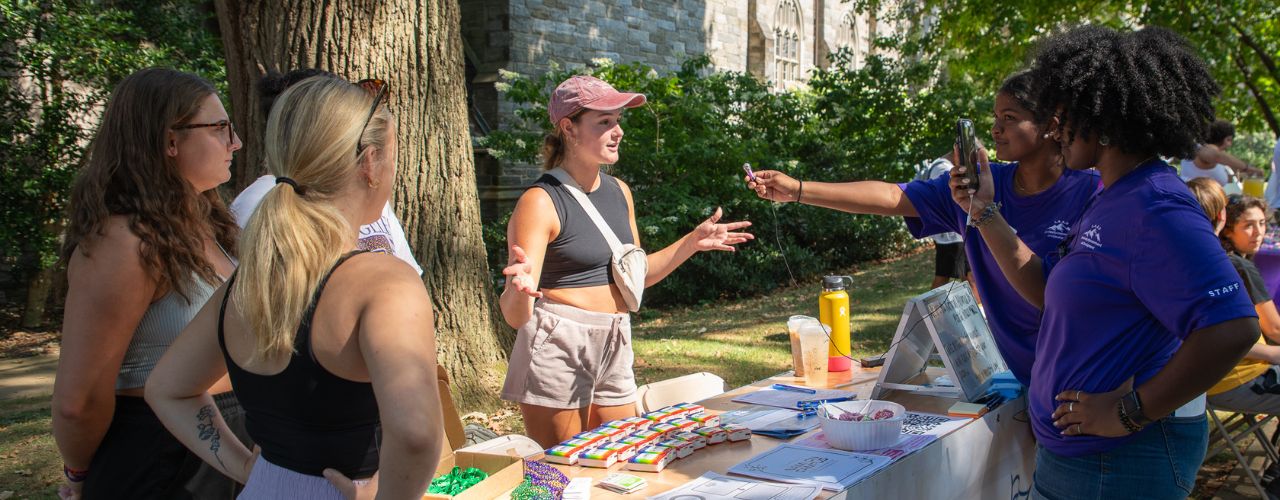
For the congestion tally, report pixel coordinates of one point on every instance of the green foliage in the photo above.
(684, 151)
(59, 60)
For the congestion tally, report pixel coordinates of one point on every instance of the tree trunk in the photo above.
(416, 46)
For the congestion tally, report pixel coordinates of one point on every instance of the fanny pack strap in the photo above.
(590, 208)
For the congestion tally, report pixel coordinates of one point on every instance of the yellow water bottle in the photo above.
(833, 313)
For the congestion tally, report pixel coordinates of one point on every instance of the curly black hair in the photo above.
(1146, 91)
(271, 85)
(1219, 131)
(1021, 87)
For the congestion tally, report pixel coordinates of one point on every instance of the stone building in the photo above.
(775, 40)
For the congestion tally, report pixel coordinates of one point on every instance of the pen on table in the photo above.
(792, 388)
(816, 402)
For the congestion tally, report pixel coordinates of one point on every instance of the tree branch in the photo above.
(1247, 77)
(1266, 58)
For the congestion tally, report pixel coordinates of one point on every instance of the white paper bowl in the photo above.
(863, 435)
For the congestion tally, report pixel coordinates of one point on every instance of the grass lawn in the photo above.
(29, 462)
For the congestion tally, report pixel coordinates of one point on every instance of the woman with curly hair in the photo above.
(148, 242)
(1142, 311)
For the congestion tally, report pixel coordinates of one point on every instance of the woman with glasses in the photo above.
(331, 348)
(148, 242)
(1142, 311)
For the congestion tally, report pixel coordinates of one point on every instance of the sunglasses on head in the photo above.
(378, 89)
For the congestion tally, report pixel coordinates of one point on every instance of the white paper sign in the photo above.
(946, 321)
(712, 486)
(832, 469)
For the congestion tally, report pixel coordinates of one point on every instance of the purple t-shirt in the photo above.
(1141, 271)
(1041, 220)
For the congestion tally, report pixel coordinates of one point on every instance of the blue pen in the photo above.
(792, 388)
(816, 402)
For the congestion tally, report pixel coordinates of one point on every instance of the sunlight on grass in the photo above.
(29, 462)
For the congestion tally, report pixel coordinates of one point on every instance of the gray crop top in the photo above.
(160, 326)
(579, 256)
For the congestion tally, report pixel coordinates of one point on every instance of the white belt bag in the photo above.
(629, 264)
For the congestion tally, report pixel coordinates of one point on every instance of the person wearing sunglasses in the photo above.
(148, 241)
(331, 348)
(384, 235)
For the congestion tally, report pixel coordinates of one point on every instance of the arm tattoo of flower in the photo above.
(208, 432)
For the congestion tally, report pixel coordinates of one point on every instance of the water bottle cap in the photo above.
(833, 283)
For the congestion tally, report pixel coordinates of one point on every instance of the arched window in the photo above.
(786, 46)
(847, 38)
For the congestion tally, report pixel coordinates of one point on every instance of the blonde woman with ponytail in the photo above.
(331, 349)
(572, 363)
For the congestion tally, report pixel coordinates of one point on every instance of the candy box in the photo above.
(690, 408)
(564, 454)
(681, 448)
(664, 429)
(612, 434)
(737, 432)
(714, 435)
(659, 415)
(651, 459)
(606, 455)
(592, 436)
(642, 438)
(624, 425)
(699, 442)
(640, 423)
(683, 424)
(706, 420)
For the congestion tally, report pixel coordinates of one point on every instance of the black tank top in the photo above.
(579, 256)
(305, 418)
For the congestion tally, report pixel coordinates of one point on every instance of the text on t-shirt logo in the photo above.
(379, 243)
(1059, 230)
(1093, 237)
(1218, 292)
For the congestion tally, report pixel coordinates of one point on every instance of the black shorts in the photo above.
(949, 261)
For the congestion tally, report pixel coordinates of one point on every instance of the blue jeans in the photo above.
(1161, 462)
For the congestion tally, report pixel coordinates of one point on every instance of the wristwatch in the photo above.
(1131, 415)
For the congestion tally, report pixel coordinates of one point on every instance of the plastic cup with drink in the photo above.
(793, 331)
(813, 352)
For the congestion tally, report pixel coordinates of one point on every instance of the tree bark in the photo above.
(416, 46)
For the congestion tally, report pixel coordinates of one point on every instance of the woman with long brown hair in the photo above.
(148, 242)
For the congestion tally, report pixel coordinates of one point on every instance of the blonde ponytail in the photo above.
(296, 235)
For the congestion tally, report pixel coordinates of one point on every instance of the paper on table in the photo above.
(712, 486)
(832, 469)
(907, 445)
(768, 419)
(788, 399)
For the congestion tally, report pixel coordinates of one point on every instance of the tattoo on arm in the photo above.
(206, 430)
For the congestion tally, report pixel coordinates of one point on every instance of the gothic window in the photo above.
(847, 38)
(786, 46)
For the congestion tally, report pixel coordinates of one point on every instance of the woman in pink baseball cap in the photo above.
(572, 363)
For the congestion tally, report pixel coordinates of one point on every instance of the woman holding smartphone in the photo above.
(1143, 311)
(572, 363)
(1039, 197)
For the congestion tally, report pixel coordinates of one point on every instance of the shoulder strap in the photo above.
(590, 208)
(222, 311)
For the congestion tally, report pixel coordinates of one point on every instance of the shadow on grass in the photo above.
(29, 461)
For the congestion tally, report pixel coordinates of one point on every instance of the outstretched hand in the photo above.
(519, 273)
(773, 185)
(710, 235)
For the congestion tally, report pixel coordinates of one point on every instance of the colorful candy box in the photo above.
(714, 435)
(606, 455)
(640, 423)
(642, 438)
(705, 420)
(664, 429)
(699, 442)
(737, 432)
(690, 408)
(563, 454)
(651, 459)
(592, 436)
(682, 448)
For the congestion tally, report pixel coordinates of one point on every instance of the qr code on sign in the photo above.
(918, 424)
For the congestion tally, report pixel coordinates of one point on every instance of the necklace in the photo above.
(1017, 186)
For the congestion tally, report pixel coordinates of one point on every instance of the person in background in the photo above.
(949, 261)
(571, 366)
(148, 241)
(1272, 192)
(383, 235)
(1212, 160)
(1142, 310)
(331, 348)
(1040, 198)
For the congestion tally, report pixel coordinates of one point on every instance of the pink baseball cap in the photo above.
(588, 92)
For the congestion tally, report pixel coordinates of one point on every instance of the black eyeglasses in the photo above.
(378, 89)
(219, 125)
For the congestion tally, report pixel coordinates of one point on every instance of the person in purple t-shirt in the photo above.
(1040, 199)
(1142, 311)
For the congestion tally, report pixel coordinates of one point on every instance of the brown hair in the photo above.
(553, 146)
(127, 173)
(1237, 205)
(1210, 195)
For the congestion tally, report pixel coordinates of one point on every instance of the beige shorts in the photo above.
(570, 358)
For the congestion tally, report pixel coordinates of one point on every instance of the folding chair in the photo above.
(1234, 429)
(685, 389)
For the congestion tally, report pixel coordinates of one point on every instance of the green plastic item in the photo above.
(456, 481)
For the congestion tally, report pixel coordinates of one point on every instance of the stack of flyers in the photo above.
(642, 438)
(681, 448)
(706, 420)
(713, 434)
(664, 428)
(623, 483)
(699, 442)
(606, 455)
(737, 432)
(651, 459)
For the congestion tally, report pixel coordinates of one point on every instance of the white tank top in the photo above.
(1217, 173)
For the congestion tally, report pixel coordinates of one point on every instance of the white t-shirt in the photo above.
(383, 235)
(1273, 183)
(933, 170)
(1218, 173)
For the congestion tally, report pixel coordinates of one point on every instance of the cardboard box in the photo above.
(505, 473)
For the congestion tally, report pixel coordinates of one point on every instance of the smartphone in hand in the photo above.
(967, 150)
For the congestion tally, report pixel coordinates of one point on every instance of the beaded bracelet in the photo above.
(988, 213)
